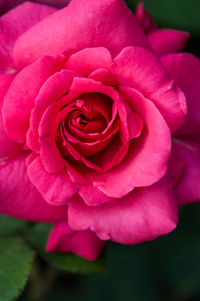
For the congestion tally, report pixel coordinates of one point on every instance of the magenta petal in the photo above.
(8, 4)
(108, 158)
(105, 76)
(56, 189)
(92, 196)
(14, 24)
(77, 173)
(185, 69)
(138, 68)
(87, 85)
(89, 59)
(147, 159)
(142, 215)
(32, 141)
(49, 153)
(21, 95)
(89, 149)
(83, 85)
(20, 199)
(54, 87)
(176, 166)
(83, 243)
(164, 41)
(8, 147)
(187, 189)
(134, 123)
(81, 25)
(144, 18)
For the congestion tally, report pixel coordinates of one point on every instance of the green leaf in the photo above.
(15, 262)
(71, 263)
(11, 226)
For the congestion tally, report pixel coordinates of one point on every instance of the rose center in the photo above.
(83, 124)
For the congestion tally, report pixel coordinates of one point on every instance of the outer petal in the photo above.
(6, 5)
(49, 153)
(56, 189)
(144, 18)
(89, 23)
(164, 41)
(8, 147)
(147, 158)
(105, 76)
(89, 59)
(54, 88)
(138, 68)
(83, 243)
(142, 215)
(16, 22)
(19, 198)
(92, 196)
(187, 189)
(20, 98)
(185, 69)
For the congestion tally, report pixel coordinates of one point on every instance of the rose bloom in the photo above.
(93, 129)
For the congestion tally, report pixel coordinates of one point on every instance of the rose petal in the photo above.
(112, 126)
(49, 153)
(92, 196)
(109, 157)
(20, 199)
(187, 188)
(54, 88)
(147, 158)
(105, 76)
(185, 69)
(8, 4)
(56, 189)
(91, 148)
(77, 173)
(91, 24)
(164, 41)
(138, 68)
(21, 95)
(144, 18)
(176, 166)
(83, 243)
(89, 59)
(32, 141)
(85, 85)
(134, 123)
(142, 215)
(8, 148)
(14, 24)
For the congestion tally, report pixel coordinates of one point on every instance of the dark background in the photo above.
(165, 269)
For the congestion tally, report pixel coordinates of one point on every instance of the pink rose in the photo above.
(88, 113)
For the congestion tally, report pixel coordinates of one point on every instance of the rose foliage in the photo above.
(95, 133)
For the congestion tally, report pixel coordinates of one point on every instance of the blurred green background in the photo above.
(165, 269)
(177, 14)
